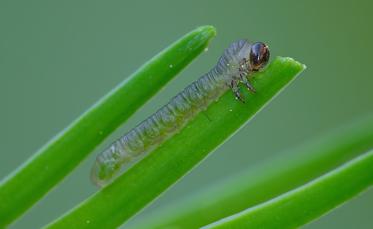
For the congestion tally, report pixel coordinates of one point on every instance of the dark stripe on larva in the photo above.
(169, 119)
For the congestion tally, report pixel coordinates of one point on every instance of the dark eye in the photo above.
(259, 55)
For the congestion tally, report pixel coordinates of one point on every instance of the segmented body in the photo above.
(169, 119)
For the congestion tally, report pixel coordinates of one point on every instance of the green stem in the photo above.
(274, 177)
(147, 179)
(54, 161)
(308, 202)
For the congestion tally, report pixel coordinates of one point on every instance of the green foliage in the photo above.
(260, 191)
(61, 155)
(147, 179)
(274, 177)
(307, 202)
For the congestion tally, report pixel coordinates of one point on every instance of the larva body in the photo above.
(232, 67)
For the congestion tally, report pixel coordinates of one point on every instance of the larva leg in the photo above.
(236, 90)
(243, 69)
(246, 82)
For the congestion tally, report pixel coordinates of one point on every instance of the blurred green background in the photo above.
(58, 57)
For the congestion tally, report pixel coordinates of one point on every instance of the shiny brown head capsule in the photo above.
(259, 56)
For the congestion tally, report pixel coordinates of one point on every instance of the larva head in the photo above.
(259, 56)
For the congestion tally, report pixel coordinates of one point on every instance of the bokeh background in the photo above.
(58, 57)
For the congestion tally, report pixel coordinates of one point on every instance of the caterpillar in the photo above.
(235, 66)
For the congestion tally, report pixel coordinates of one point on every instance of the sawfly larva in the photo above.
(235, 66)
